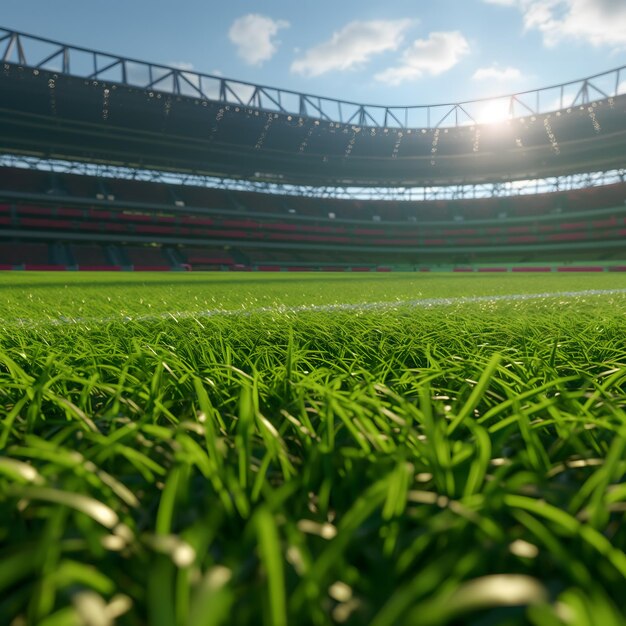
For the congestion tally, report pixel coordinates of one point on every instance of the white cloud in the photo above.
(351, 46)
(255, 37)
(598, 22)
(497, 74)
(435, 55)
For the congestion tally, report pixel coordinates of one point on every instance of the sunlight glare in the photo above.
(493, 112)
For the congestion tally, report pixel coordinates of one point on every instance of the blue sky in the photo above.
(396, 52)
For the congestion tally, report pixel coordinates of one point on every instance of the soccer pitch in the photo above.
(246, 448)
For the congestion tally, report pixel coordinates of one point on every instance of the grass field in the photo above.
(195, 450)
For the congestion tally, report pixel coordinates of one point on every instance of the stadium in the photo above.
(104, 168)
(208, 419)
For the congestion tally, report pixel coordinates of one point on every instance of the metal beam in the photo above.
(36, 52)
(407, 194)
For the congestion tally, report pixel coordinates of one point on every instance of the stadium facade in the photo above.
(112, 163)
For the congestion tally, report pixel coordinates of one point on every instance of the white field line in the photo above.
(424, 303)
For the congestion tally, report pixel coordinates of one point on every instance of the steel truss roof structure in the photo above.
(60, 101)
(40, 53)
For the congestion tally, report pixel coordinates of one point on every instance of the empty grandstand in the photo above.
(180, 171)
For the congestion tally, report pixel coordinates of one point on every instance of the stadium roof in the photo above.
(62, 102)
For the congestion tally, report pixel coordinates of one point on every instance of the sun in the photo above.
(493, 111)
